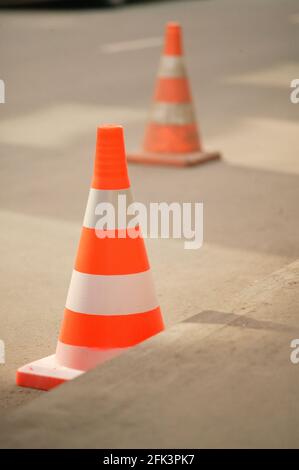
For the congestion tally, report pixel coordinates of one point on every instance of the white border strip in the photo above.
(111, 295)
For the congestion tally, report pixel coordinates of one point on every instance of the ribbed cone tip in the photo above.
(110, 166)
(173, 39)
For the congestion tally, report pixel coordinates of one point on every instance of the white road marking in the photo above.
(131, 45)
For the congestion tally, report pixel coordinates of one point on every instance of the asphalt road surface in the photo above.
(66, 71)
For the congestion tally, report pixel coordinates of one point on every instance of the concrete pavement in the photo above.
(219, 379)
(60, 85)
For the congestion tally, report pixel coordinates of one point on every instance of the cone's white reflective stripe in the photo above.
(172, 113)
(111, 295)
(171, 67)
(97, 196)
(83, 358)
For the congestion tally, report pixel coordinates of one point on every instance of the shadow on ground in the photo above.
(211, 317)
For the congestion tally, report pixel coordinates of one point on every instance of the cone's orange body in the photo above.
(172, 135)
(172, 88)
(111, 303)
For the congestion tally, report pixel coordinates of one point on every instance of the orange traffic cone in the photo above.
(111, 303)
(171, 136)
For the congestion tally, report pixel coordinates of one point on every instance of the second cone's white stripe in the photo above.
(172, 113)
(111, 295)
(171, 67)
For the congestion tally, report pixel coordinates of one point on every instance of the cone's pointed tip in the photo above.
(173, 26)
(110, 167)
(109, 126)
(173, 40)
(110, 131)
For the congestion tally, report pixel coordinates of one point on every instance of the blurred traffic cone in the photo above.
(171, 136)
(111, 303)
